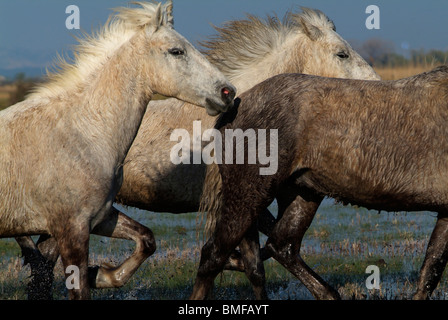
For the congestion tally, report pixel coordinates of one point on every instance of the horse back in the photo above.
(380, 144)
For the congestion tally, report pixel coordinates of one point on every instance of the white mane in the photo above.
(93, 50)
(244, 43)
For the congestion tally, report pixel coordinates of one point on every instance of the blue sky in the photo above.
(32, 31)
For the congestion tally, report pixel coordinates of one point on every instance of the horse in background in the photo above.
(247, 51)
(382, 145)
(62, 149)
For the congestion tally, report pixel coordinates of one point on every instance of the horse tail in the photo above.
(211, 199)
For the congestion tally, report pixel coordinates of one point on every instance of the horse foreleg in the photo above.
(266, 223)
(285, 241)
(229, 232)
(118, 225)
(73, 242)
(435, 259)
(42, 259)
(253, 264)
(41, 280)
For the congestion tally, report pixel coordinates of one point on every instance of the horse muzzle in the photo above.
(227, 94)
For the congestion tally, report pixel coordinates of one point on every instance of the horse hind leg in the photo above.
(119, 225)
(435, 259)
(285, 241)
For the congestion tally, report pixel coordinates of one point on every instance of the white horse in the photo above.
(62, 149)
(247, 51)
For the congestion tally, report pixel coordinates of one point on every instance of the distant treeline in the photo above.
(417, 57)
(382, 53)
(13, 91)
(23, 86)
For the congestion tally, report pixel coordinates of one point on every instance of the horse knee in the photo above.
(148, 242)
(275, 249)
(211, 261)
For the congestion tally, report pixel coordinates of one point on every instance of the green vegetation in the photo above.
(417, 57)
(382, 53)
(340, 244)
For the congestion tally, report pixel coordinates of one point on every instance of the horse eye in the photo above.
(342, 55)
(176, 52)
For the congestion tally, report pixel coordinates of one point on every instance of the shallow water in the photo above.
(340, 243)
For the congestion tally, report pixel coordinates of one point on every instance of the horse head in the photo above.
(172, 65)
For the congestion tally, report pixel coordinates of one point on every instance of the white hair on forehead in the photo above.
(313, 17)
(148, 13)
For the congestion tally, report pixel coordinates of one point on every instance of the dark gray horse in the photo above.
(378, 144)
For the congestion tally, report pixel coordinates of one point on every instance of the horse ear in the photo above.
(310, 30)
(169, 13)
(158, 17)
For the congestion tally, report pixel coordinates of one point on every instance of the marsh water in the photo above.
(340, 244)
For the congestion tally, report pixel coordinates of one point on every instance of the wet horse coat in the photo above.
(247, 51)
(378, 144)
(62, 149)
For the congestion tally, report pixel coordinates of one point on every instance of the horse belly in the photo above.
(169, 188)
(381, 193)
(19, 222)
(385, 172)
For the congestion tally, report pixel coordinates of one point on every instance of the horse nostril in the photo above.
(227, 94)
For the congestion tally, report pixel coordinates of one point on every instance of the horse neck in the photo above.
(113, 102)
